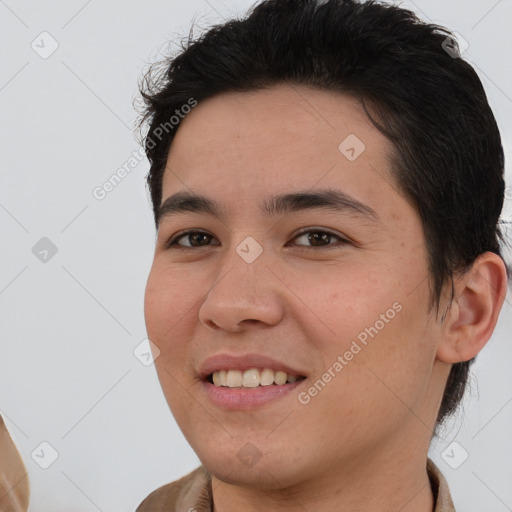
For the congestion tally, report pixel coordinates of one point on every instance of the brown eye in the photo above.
(198, 238)
(192, 239)
(318, 238)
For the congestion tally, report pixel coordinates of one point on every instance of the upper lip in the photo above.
(244, 362)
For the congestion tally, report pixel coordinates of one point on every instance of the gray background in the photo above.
(68, 375)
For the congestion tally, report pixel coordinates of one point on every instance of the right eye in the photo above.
(194, 239)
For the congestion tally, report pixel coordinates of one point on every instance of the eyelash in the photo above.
(172, 243)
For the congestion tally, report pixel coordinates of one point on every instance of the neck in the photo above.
(387, 484)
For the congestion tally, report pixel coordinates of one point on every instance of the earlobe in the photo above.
(473, 314)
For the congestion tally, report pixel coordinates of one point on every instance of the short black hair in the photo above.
(447, 160)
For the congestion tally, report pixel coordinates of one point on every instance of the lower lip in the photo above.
(246, 398)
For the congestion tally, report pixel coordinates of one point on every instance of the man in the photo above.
(14, 486)
(327, 180)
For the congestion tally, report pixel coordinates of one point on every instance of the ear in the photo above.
(471, 318)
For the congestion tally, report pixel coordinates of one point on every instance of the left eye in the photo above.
(318, 238)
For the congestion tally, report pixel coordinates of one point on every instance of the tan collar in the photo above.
(443, 499)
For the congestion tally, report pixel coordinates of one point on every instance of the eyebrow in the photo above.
(327, 199)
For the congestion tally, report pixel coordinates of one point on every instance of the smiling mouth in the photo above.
(252, 378)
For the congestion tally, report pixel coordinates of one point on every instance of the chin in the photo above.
(248, 466)
(260, 476)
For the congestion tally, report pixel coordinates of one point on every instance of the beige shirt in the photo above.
(193, 492)
(14, 487)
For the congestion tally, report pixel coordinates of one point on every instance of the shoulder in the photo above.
(14, 486)
(185, 492)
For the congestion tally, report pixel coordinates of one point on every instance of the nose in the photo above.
(243, 294)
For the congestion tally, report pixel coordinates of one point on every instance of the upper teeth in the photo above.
(251, 378)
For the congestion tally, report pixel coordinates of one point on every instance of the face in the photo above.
(327, 283)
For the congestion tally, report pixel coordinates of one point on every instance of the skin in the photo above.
(361, 443)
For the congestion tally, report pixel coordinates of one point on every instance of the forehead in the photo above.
(281, 116)
(285, 136)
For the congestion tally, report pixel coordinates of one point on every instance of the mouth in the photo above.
(251, 378)
(247, 381)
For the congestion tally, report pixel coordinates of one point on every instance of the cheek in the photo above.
(377, 326)
(171, 303)
(167, 301)
(165, 311)
(348, 304)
